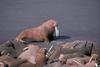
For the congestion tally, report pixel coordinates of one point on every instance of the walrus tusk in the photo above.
(96, 65)
(26, 48)
(49, 51)
(56, 31)
(2, 52)
(77, 62)
(93, 56)
(7, 54)
(50, 48)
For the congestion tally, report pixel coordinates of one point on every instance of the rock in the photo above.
(78, 46)
(12, 48)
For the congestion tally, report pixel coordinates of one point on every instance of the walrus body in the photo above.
(34, 55)
(44, 32)
(29, 54)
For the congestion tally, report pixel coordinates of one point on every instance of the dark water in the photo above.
(77, 19)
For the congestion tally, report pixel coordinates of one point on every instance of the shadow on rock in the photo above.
(63, 37)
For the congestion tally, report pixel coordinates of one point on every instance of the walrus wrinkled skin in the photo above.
(34, 54)
(40, 60)
(44, 32)
(30, 53)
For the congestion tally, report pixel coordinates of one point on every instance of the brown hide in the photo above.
(44, 32)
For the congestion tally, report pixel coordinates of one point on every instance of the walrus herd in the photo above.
(24, 52)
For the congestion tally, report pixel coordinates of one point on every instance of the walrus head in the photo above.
(52, 26)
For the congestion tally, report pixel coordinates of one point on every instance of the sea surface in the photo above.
(77, 19)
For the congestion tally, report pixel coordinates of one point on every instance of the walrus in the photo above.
(30, 53)
(45, 32)
(87, 61)
(40, 60)
(7, 61)
(53, 54)
(34, 54)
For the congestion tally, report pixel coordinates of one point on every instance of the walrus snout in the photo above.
(52, 23)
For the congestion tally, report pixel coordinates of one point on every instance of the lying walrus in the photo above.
(40, 60)
(7, 61)
(34, 55)
(30, 53)
(87, 61)
(44, 32)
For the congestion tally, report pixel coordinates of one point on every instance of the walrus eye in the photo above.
(56, 31)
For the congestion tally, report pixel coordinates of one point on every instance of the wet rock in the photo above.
(78, 46)
(12, 47)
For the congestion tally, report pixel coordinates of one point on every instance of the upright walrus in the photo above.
(44, 32)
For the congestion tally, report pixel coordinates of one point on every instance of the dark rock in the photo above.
(12, 48)
(78, 46)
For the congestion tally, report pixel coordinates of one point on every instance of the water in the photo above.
(77, 19)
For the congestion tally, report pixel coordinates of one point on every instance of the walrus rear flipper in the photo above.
(17, 63)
